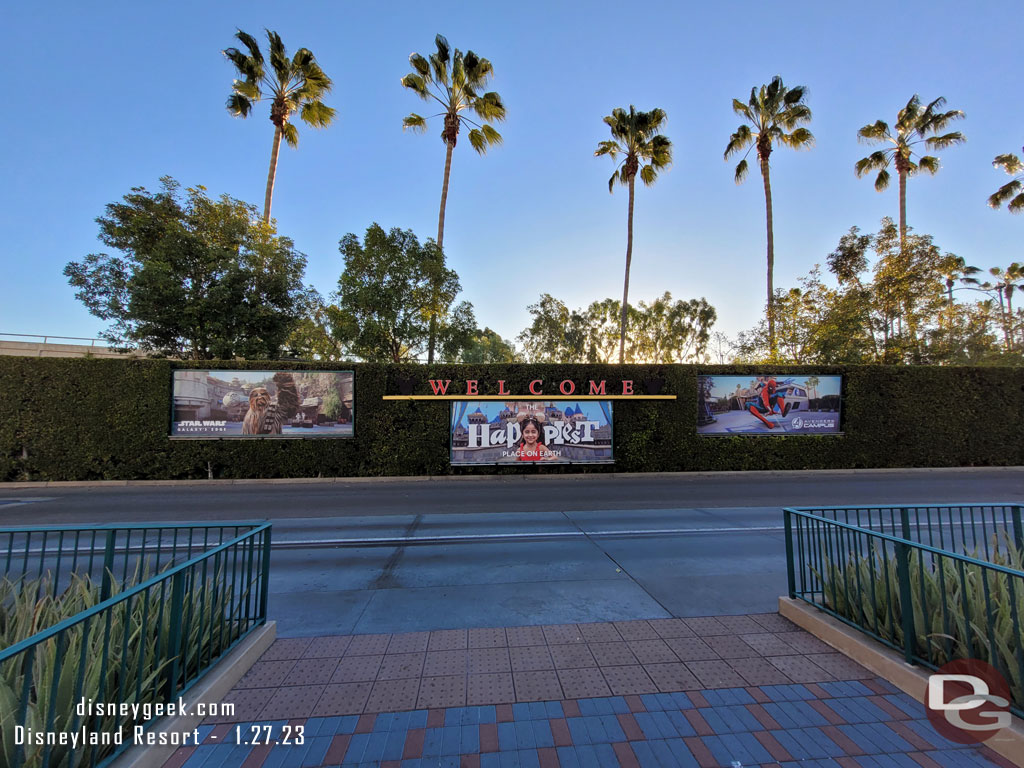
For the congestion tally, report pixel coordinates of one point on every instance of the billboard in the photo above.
(262, 404)
(768, 405)
(552, 431)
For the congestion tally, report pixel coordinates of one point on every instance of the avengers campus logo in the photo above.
(968, 701)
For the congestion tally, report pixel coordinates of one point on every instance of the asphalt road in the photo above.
(404, 555)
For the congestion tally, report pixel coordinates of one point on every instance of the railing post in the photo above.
(174, 641)
(1018, 531)
(906, 602)
(265, 575)
(790, 565)
(108, 565)
(905, 523)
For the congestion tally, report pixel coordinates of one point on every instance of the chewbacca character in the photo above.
(265, 417)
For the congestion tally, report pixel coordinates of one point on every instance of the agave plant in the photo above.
(960, 609)
(120, 655)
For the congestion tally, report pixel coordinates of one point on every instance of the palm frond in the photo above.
(250, 42)
(929, 164)
(239, 105)
(420, 65)
(741, 139)
(247, 88)
(1009, 163)
(648, 174)
(609, 147)
(741, 171)
(948, 140)
(490, 107)
(742, 110)
(882, 180)
(877, 160)
(317, 114)
(291, 134)
(414, 122)
(247, 66)
(418, 84)
(611, 182)
(1012, 191)
(877, 131)
(278, 58)
(801, 138)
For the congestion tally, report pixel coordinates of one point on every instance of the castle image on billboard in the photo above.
(492, 432)
(262, 404)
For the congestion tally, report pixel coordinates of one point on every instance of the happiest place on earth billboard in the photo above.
(769, 405)
(262, 404)
(559, 431)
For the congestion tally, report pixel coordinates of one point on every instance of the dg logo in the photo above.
(968, 701)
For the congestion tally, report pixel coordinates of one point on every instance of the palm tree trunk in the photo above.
(440, 243)
(772, 346)
(272, 175)
(625, 282)
(903, 211)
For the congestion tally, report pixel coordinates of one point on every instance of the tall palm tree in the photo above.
(913, 126)
(293, 86)
(635, 136)
(455, 82)
(1006, 281)
(771, 111)
(1012, 191)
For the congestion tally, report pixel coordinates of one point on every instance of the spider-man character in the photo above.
(767, 398)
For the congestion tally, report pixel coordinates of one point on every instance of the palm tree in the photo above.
(1007, 280)
(635, 136)
(1012, 190)
(454, 81)
(293, 86)
(913, 124)
(771, 111)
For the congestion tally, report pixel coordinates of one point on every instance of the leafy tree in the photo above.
(670, 331)
(293, 86)
(771, 111)
(634, 136)
(486, 346)
(197, 277)
(311, 337)
(455, 81)
(387, 291)
(1012, 191)
(913, 126)
(664, 331)
(556, 334)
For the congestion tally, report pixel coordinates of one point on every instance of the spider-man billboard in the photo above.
(790, 404)
(262, 404)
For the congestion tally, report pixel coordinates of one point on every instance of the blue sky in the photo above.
(114, 95)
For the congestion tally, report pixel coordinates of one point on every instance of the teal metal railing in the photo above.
(935, 582)
(151, 626)
(105, 552)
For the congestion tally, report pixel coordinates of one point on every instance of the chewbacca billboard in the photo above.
(262, 404)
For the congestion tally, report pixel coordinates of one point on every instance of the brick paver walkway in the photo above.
(706, 692)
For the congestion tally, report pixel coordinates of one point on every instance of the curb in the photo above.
(213, 687)
(588, 476)
(888, 665)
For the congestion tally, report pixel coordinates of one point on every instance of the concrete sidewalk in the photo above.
(716, 691)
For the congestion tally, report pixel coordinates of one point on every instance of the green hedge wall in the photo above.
(88, 419)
